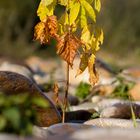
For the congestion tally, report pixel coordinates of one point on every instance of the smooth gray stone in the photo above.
(106, 134)
(16, 137)
(111, 122)
(58, 130)
(84, 106)
(121, 110)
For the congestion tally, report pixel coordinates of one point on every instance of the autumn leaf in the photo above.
(46, 8)
(46, 29)
(56, 92)
(74, 11)
(93, 75)
(41, 34)
(83, 19)
(97, 5)
(85, 35)
(83, 63)
(52, 25)
(67, 47)
(89, 10)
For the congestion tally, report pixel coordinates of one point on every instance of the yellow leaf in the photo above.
(101, 36)
(46, 8)
(63, 2)
(83, 63)
(74, 11)
(97, 5)
(85, 35)
(93, 76)
(90, 1)
(83, 18)
(89, 10)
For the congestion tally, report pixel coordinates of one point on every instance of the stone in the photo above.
(65, 129)
(121, 110)
(79, 115)
(6, 66)
(15, 137)
(71, 131)
(51, 67)
(105, 134)
(14, 83)
(135, 92)
(133, 72)
(112, 122)
(84, 106)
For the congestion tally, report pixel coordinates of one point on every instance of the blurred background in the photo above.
(120, 20)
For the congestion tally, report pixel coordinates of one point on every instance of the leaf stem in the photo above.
(67, 71)
(66, 94)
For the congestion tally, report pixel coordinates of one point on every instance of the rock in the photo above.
(106, 90)
(65, 129)
(6, 66)
(105, 134)
(97, 98)
(84, 106)
(111, 122)
(121, 110)
(107, 102)
(78, 116)
(133, 72)
(135, 92)
(15, 137)
(13, 83)
(72, 100)
(71, 131)
(51, 67)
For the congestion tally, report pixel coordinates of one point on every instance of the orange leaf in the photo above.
(44, 30)
(83, 63)
(67, 47)
(52, 25)
(41, 33)
(93, 75)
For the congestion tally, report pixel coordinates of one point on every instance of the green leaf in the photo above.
(2, 122)
(40, 102)
(46, 9)
(74, 11)
(89, 10)
(12, 114)
(97, 5)
(83, 18)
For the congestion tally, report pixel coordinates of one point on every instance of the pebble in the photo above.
(15, 137)
(112, 122)
(121, 110)
(6, 66)
(13, 83)
(105, 134)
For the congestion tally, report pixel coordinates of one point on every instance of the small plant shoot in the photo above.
(75, 32)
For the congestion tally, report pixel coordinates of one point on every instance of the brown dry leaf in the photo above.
(67, 47)
(52, 25)
(56, 92)
(93, 75)
(44, 30)
(41, 33)
(83, 63)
